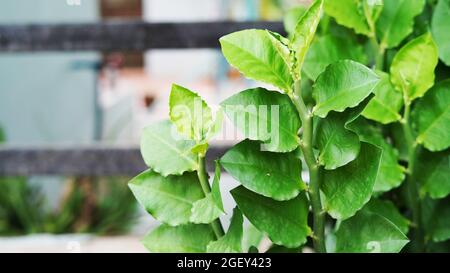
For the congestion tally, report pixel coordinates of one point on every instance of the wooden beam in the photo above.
(120, 35)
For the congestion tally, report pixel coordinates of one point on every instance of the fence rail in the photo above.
(121, 36)
(79, 161)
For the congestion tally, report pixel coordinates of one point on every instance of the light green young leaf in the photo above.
(232, 241)
(180, 239)
(369, 232)
(388, 210)
(431, 118)
(342, 85)
(433, 169)
(168, 199)
(190, 114)
(329, 49)
(165, 151)
(252, 237)
(391, 173)
(274, 175)
(292, 17)
(343, 200)
(208, 209)
(412, 70)
(386, 104)
(304, 33)
(337, 145)
(285, 222)
(267, 116)
(349, 13)
(253, 53)
(397, 20)
(440, 26)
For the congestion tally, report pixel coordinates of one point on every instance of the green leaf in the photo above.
(433, 171)
(270, 174)
(337, 145)
(285, 222)
(391, 173)
(348, 13)
(168, 199)
(253, 53)
(431, 118)
(329, 49)
(232, 241)
(441, 228)
(165, 151)
(397, 20)
(386, 104)
(388, 210)
(349, 188)
(412, 70)
(180, 239)
(190, 114)
(208, 209)
(267, 116)
(440, 26)
(342, 85)
(252, 237)
(292, 17)
(369, 232)
(304, 33)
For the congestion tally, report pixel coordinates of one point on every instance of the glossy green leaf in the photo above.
(349, 188)
(168, 199)
(431, 118)
(285, 222)
(267, 116)
(342, 85)
(231, 242)
(369, 232)
(337, 145)
(190, 114)
(388, 210)
(433, 171)
(441, 227)
(397, 20)
(391, 173)
(270, 174)
(180, 239)
(348, 13)
(329, 49)
(209, 208)
(305, 31)
(165, 151)
(253, 53)
(440, 26)
(386, 104)
(412, 70)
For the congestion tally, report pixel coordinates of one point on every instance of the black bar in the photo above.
(90, 161)
(121, 36)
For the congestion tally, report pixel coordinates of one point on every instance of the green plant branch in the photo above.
(216, 225)
(314, 170)
(411, 184)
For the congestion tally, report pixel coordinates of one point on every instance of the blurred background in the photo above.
(79, 99)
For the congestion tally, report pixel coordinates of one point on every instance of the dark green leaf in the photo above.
(440, 27)
(270, 174)
(388, 210)
(232, 241)
(285, 222)
(432, 171)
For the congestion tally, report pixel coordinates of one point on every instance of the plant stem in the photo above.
(314, 170)
(413, 192)
(216, 225)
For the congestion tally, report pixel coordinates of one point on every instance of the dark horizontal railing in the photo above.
(79, 161)
(120, 36)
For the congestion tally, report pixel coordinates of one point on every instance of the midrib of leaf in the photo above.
(433, 124)
(286, 86)
(339, 94)
(175, 149)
